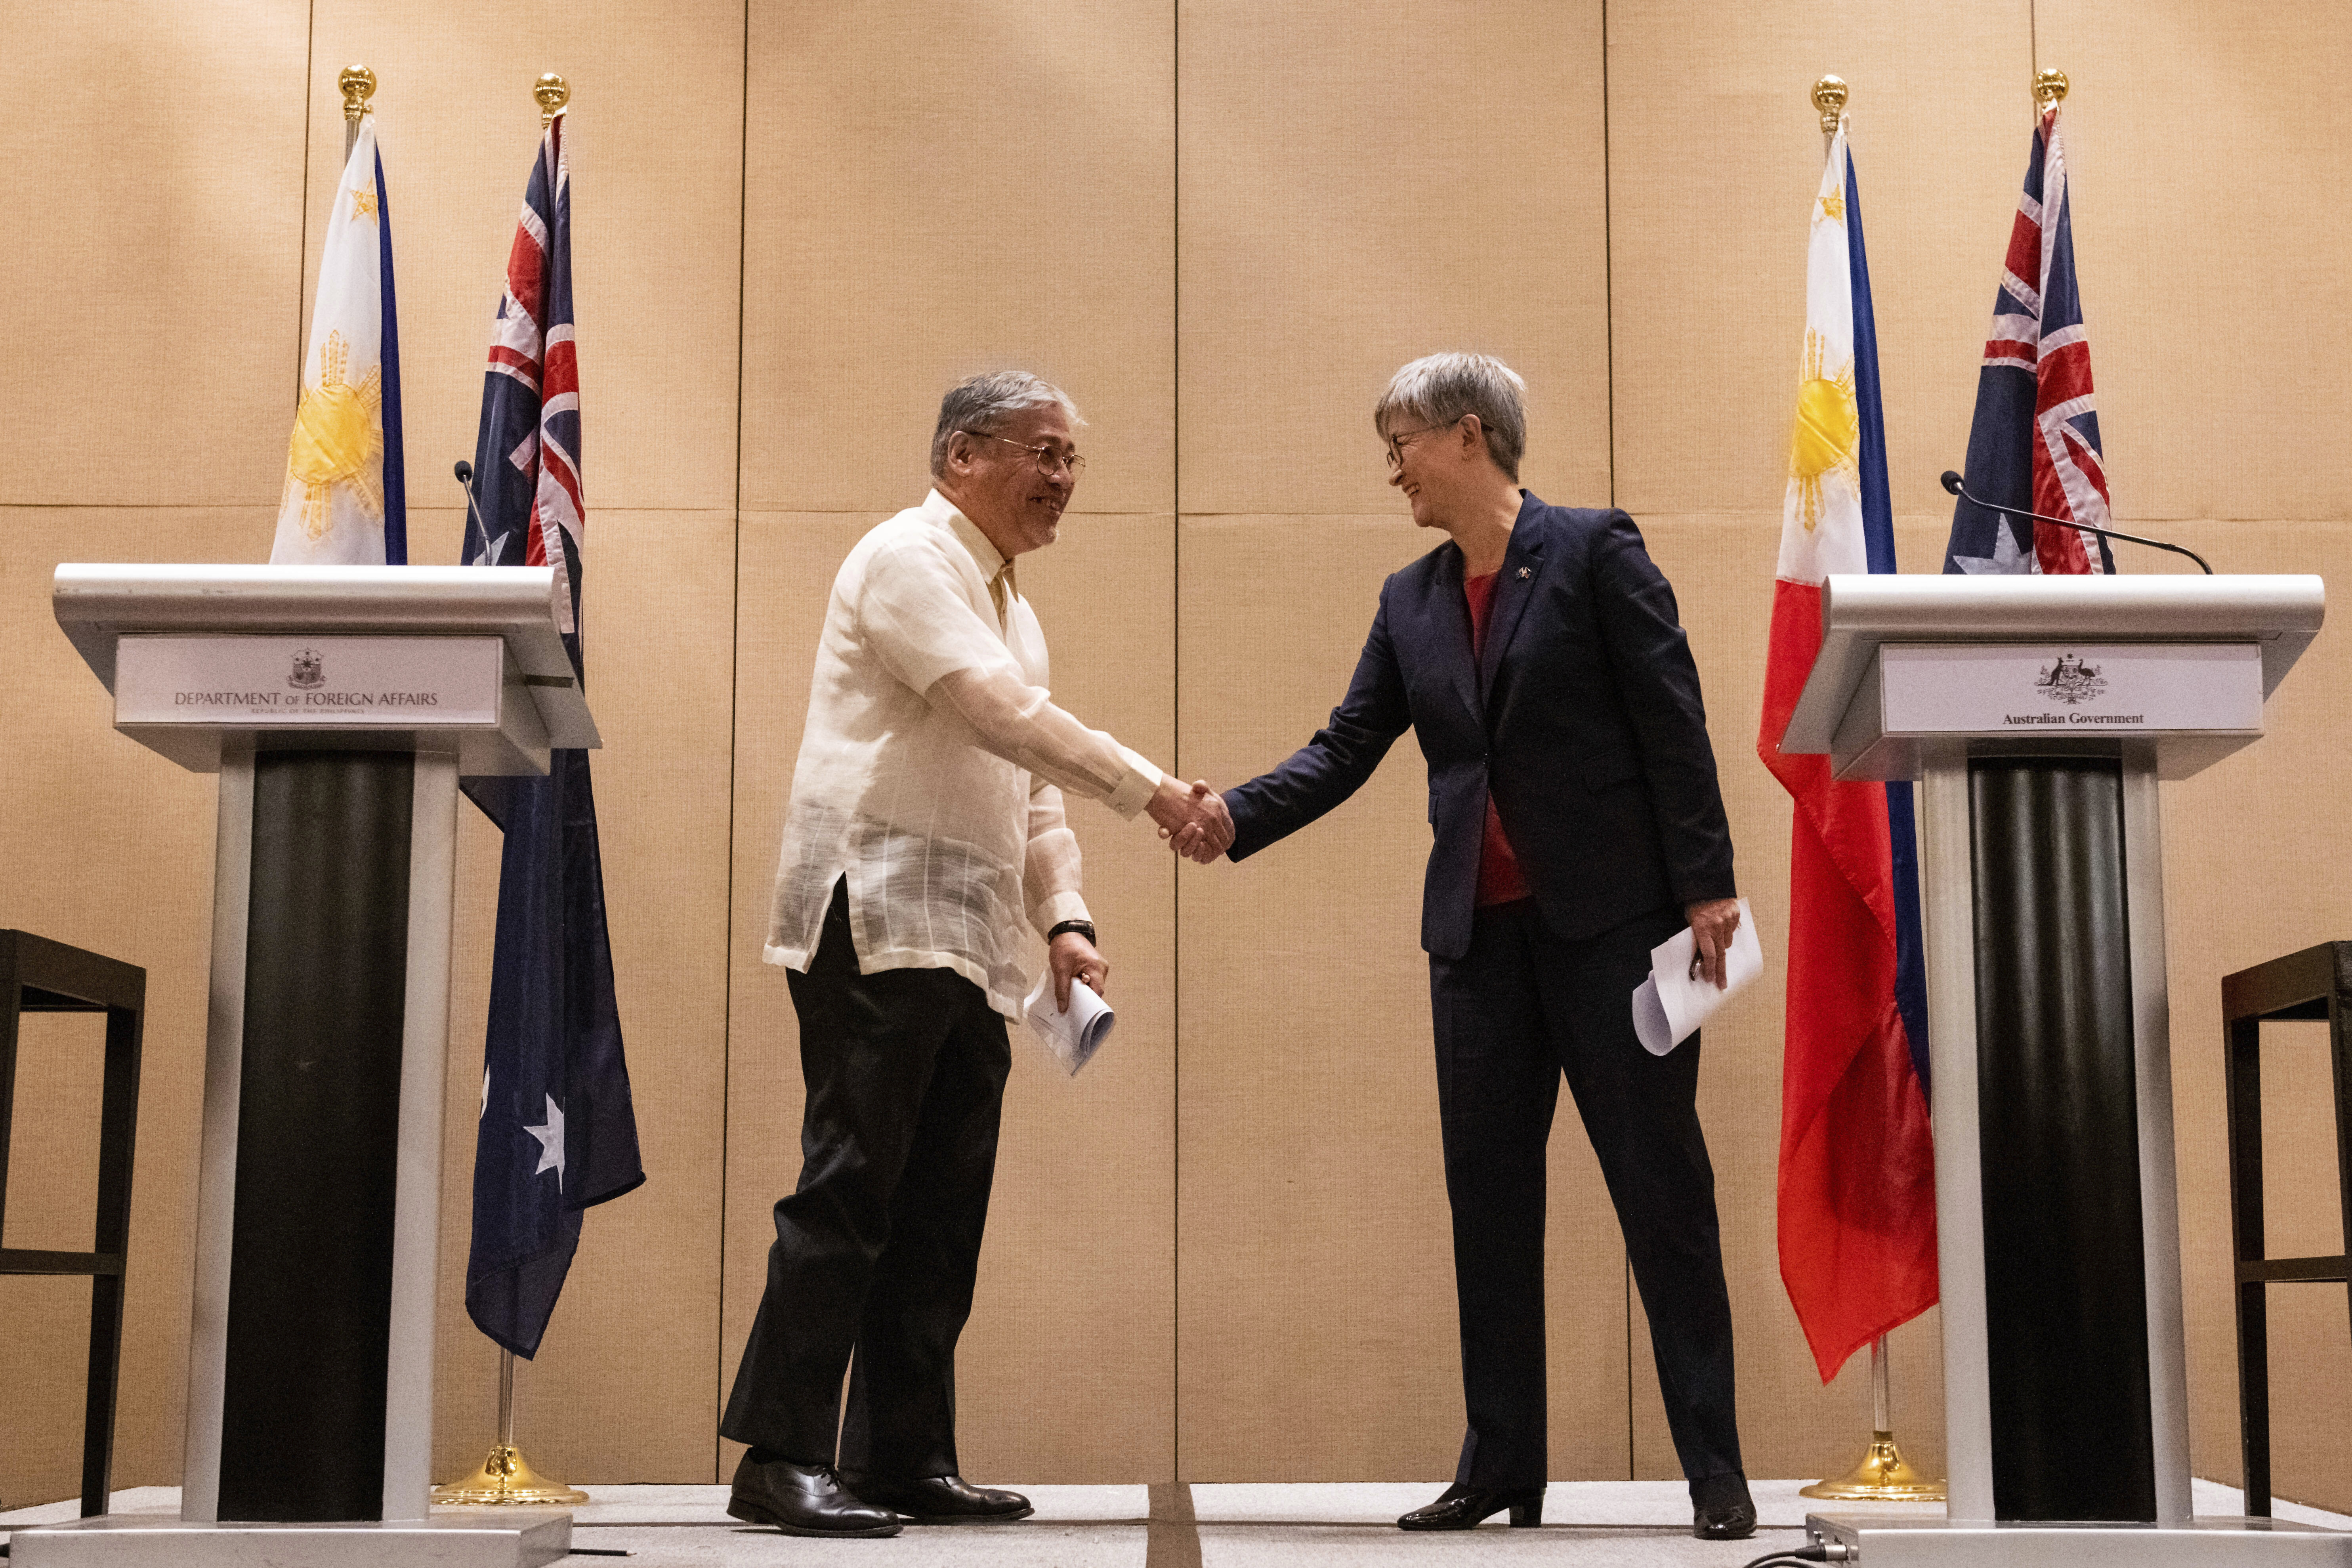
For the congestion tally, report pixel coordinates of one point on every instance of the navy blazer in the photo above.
(1584, 720)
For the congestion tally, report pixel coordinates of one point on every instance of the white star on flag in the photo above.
(2007, 559)
(486, 1094)
(549, 1134)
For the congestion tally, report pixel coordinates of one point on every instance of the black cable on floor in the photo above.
(1801, 1556)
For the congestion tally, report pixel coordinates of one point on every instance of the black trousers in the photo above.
(1513, 1015)
(877, 1248)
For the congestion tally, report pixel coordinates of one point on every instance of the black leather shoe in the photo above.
(803, 1500)
(1721, 1509)
(940, 1500)
(1461, 1507)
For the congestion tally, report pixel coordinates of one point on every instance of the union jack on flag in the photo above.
(528, 499)
(2035, 443)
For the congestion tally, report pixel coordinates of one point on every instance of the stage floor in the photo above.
(1632, 1523)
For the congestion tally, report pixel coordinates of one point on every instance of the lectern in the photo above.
(2039, 714)
(338, 706)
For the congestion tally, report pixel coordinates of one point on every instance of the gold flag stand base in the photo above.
(506, 1477)
(1881, 1476)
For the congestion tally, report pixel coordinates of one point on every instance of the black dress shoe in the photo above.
(940, 1500)
(1461, 1507)
(803, 1500)
(1721, 1509)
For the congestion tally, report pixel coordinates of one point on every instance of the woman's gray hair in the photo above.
(983, 405)
(1439, 389)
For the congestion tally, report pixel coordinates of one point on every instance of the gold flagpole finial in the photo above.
(552, 96)
(1829, 97)
(2049, 89)
(358, 83)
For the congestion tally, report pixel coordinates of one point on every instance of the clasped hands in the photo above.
(1194, 820)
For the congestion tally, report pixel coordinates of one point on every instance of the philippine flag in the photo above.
(343, 503)
(1857, 1198)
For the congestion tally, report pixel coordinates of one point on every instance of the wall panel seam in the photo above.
(1176, 738)
(302, 228)
(734, 736)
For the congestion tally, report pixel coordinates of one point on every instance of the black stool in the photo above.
(2313, 983)
(37, 975)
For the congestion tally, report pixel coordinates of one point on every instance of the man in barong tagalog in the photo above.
(924, 841)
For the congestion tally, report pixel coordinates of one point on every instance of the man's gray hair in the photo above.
(985, 405)
(1439, 389)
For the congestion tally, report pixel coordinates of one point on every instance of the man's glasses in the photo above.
(1049, 462)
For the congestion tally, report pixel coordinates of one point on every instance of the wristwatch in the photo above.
(1083, 928)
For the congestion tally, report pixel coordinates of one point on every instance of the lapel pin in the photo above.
(1526, 573)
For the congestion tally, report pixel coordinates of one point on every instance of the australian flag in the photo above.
(558, 1134)
(2035, 443)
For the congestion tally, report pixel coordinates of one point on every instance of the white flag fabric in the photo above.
(1822, 523)
(343, 503)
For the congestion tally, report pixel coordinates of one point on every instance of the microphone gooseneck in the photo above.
(465, 472)
(1953, 483)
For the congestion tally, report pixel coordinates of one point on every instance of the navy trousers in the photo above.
(877, 1248)
(1514, 1015)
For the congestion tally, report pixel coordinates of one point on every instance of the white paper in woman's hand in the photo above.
(1674, 1001)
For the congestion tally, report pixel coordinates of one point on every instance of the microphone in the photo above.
(1952, 483)
(465, 471)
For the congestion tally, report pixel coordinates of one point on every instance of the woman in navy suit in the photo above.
(1538, 656)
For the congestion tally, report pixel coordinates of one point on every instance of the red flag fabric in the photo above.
(1857, 1190)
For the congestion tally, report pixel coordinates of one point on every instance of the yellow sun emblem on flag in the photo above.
(1827, 429)
(338, 439)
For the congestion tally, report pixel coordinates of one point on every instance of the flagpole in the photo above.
(1881, 1475)
(1829, 97)
(2050, 88)
(506, 1477)
(358, 83)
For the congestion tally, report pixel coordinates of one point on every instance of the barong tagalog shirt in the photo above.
(933, 764)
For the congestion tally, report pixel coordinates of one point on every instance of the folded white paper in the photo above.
(1075, 1035)
(1671, 1002)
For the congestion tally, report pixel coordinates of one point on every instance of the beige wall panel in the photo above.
(653, 143)
(52, 1189)
(2258, 857)
(1318, 1326)
(2183, 112)
(621, 1389)
(932, 199)
(1066, 1370)
(2311, 1334)
(153, 189)
(1715, 151)
(45, 1356)
(108, 847)
(1360, 187)
(51, 1205)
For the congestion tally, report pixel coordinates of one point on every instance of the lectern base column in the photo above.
(2056, 1211)
(318, 1202)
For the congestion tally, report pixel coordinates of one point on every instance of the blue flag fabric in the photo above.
(1878, 539)
(558, 1134)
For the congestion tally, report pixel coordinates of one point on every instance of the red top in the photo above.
(1500, 881)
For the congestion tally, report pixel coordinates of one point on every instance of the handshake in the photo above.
(1194, 820)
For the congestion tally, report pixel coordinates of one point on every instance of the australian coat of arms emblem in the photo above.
(310, 671)
(2070, 681)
